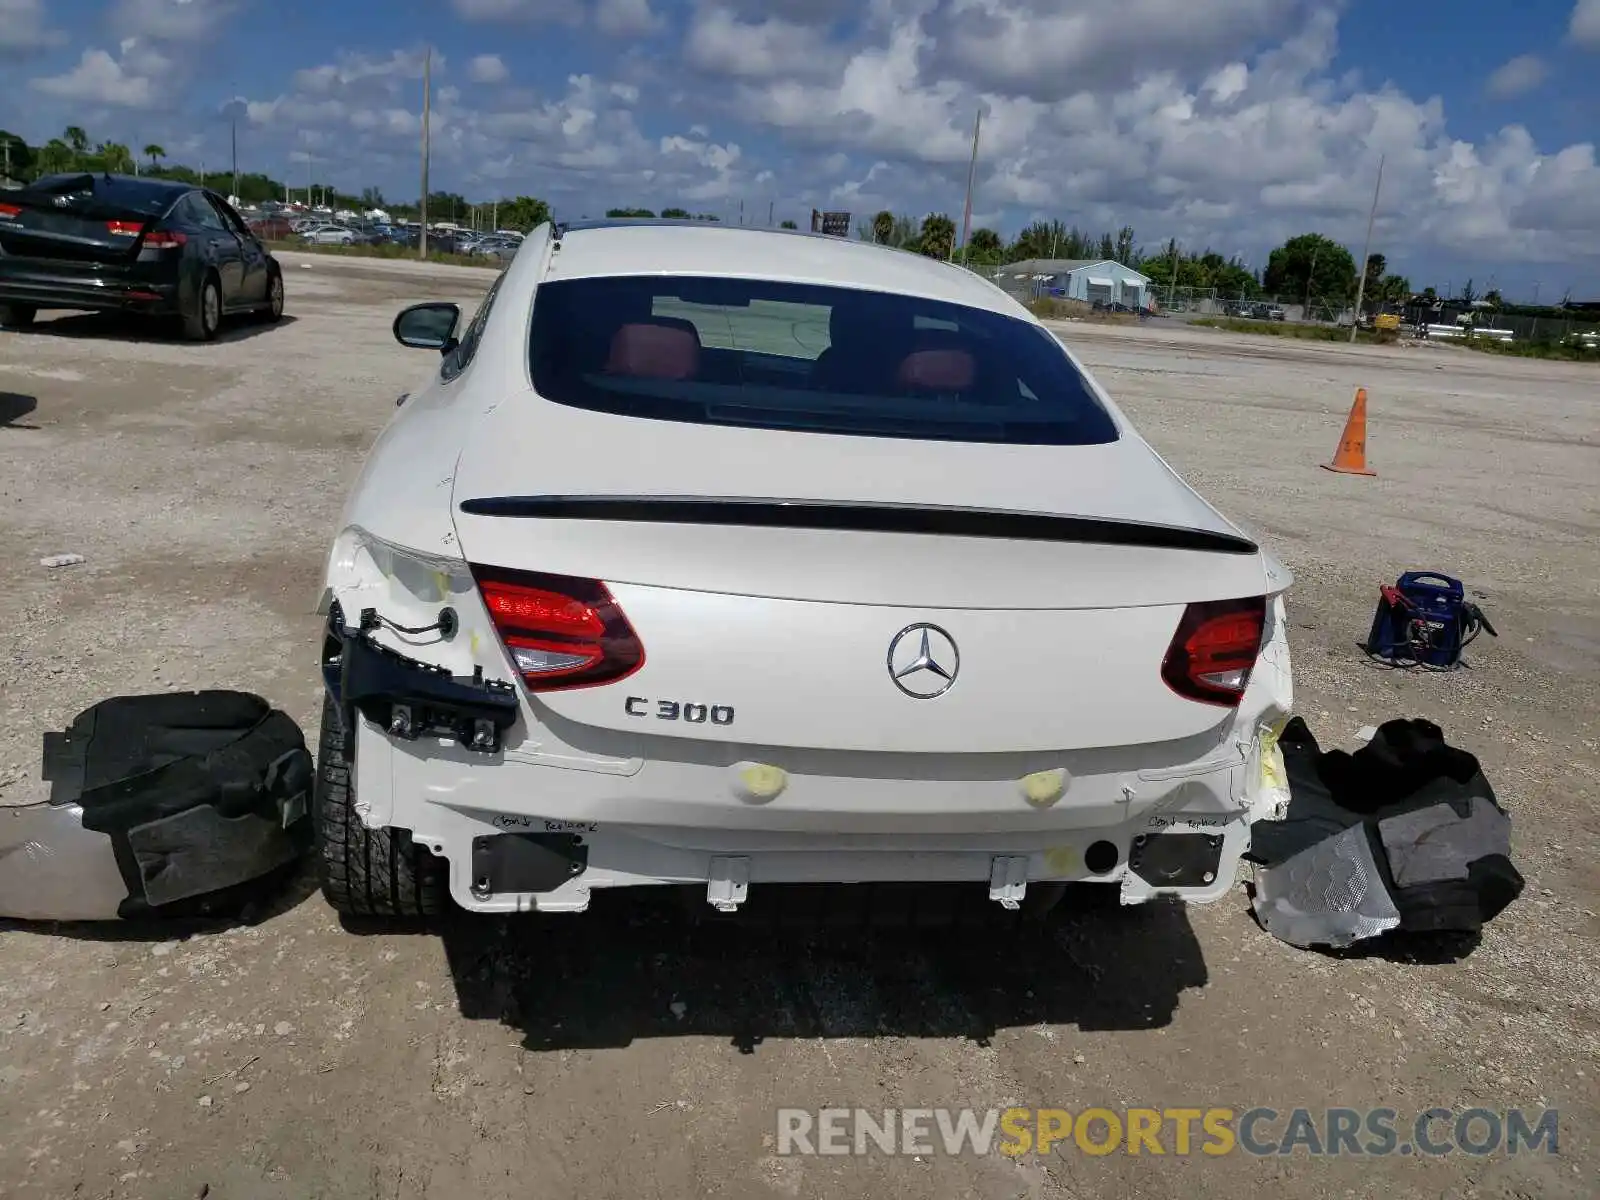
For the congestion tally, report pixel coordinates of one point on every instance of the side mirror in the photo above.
(429, 326)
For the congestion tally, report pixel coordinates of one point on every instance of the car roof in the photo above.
(589, 249)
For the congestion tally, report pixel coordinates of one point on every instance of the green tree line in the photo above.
(1308, 268)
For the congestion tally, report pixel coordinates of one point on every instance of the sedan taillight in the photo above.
(561, 632)
(163, 239)
(9, 211)
(125, 228)
(1214, 650)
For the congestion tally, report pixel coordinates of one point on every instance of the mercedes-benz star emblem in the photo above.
(923, 661)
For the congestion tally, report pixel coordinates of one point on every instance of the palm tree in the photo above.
(76, 138)
(115, 158)
(882, 227)
(154, 153)
(55, 156)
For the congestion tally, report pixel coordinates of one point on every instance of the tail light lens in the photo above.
(125, 228)
(561, 631)
(10, 210)
(1214, 650)
(163, 239)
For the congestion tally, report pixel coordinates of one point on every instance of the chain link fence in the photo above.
(1190, 303)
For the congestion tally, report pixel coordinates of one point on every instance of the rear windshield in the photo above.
(89, 194)
(805, 357)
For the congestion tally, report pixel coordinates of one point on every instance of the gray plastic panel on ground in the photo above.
(53, 869)
(1435, 844)
(1330, 894)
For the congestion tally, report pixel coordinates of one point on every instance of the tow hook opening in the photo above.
(526, 862)
(1169, 860)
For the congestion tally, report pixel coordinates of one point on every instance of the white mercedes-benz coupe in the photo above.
(726, 558)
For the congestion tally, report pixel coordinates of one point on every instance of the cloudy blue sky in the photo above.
(1233, 123)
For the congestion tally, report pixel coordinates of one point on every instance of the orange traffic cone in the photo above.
(1351, 456)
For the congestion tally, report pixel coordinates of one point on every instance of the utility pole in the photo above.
(233, 142)
(972, 170)
(1172, 281)
(1366, 250)
(8, 158)
(771, 207)
(427, 90)
(1311, 274)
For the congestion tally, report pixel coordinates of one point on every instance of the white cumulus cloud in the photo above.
(1516, 76)
(23, 27)
(627, 18)
(99, 79)
(171, 20)
(1584, 28)
(487, 68)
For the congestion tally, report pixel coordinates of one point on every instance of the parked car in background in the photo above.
(329, 235)
(500, 248)
(122, 243)
(272, 228)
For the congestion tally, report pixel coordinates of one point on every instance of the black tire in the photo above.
(272, 311)
(17, 316)
(365, 872)
(205, 322)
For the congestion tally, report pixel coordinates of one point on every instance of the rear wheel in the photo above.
(272, 310)
(17, 316)
(205, 321)
(365, 872)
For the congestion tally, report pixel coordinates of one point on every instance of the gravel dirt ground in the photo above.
(626, 1054)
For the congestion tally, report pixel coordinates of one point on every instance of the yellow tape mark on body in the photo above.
(1274, 774)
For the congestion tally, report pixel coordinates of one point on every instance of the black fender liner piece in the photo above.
(1440, 839)
(198, 800)
(410, 698)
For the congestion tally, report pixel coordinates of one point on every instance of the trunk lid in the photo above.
(78, 218)
(1053, 577)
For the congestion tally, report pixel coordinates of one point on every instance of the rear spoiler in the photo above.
(945, 520)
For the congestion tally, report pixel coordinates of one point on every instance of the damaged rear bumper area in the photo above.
(528, 813)
(183, 804)
(406, 697)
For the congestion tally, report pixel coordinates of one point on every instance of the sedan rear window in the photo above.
(88, 193)
(807, 358)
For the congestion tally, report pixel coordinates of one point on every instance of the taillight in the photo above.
(163, 239)
(125, 228)
(562, 632)
(10, 210)
(1216, 646)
